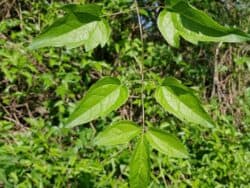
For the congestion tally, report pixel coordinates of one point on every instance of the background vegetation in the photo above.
(38, 90)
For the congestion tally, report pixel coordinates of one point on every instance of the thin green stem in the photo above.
(162, 174)
(140, 63)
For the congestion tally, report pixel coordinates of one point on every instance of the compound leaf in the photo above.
(180, 101)
(104, 96)
(118, 133)
(80, 25)
(139, 167)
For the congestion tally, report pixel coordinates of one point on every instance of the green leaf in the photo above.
(180, 101)
(194, 26)
(166, 143)
(118, 133)
(104, 96)
(90, 9)
(139, 167)
(167, 28)
(80, 25)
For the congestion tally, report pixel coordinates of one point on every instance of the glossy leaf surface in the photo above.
(80, 25)
(167, 28)
(104, 96)
(139, 167)
(194, 26)
(118, 133)
(166, 143)
(180, 101)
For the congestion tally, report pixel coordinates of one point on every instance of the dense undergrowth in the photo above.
(38, 90)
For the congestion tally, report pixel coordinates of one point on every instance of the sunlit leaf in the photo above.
(167, 28)
(118, 133)
(194, 26)
(80, 25)
(139, 167)
(180, 101)
(166, 143)
(104, 96)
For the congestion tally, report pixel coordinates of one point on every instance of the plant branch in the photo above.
(140, 63)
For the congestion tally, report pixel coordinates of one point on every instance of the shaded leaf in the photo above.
(118, 133)
(166, 143)
(180, 101)
(139, 167)
(167, 28)
(104, 96)
(90, 9)
(80, 25)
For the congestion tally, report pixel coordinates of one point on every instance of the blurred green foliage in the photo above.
(38, 89)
